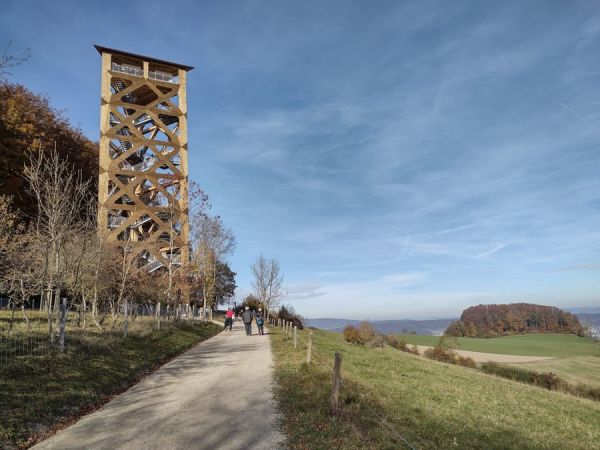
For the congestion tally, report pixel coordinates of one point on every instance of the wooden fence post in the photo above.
(309, 348)
(295, 337)
(335, 393)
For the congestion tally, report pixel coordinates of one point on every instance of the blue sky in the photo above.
(400, 159)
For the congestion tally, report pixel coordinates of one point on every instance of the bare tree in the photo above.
(268, 283)
(128, 260)
(61, 197)
(212, 243)
(175, 264)
(19, 262)
(9, 59)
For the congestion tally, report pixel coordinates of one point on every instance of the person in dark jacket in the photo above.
(247, 319)
(260, 321)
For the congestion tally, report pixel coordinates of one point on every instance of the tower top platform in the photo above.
(142, 57)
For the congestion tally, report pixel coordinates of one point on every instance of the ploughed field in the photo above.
(428, 403)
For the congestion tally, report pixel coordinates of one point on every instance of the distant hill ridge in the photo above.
(514, 318)
(403, 326)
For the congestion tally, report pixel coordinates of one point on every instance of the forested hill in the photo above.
(498, 320)
(27, 121)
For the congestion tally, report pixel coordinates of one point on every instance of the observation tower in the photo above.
(143, 176)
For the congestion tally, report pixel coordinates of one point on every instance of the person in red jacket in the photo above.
(228, 319)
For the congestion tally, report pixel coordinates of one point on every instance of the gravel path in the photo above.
(493, 357)
(215, 396)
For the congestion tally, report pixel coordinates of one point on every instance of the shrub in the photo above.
(366, 332)
(444, 351)
(399, 344)
(466, 361)
(583, 390)
(377, 341)
(414, 349)
(288, 314)
(547, 380)
(351, 335)
(442, 354)
(363, 335)
(391, 340)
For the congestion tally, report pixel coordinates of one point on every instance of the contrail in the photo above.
(583, 119)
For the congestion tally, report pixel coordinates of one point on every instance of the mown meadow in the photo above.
(546, 344)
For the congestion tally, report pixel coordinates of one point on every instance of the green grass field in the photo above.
(37, 392)
(578, 369)
(524, 344)
(431, 404)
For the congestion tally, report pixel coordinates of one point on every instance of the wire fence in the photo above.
(17, 346)
(325, 362)
(21, 339)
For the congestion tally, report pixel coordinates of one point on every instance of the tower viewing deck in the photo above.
(143, 177)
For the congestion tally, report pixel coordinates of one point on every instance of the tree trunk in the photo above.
(126, 321)
(11, 305)
(62, 325)
(158, 315)
(84, 306)
(25, 317)
(57, 306)
(95, 310)
(50, 329)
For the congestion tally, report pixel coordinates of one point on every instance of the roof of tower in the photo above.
(145, 58)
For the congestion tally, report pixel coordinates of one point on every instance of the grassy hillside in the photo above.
(430, 404)
(523, 344)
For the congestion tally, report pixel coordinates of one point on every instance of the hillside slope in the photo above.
(430, 404)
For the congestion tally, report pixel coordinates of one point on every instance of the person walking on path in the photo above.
(228, 319)
(247, 319)
(260, 321)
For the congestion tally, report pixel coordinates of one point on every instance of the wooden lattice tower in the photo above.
(143, 181)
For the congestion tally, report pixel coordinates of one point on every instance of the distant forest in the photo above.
(29, 123)
(515, 318)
